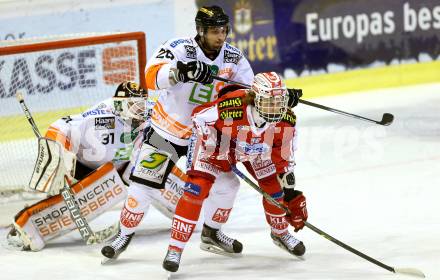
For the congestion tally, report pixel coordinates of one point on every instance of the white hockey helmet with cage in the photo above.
(271, 97)
(130, 101)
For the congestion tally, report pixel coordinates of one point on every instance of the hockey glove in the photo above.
(298, 210)
(196, 71)
(294, 96)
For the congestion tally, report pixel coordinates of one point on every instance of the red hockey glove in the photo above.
(298, 211)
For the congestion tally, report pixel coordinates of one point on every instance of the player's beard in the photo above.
(211, 49)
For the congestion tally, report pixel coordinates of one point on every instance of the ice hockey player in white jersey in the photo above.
(101, 139)
(184, 69)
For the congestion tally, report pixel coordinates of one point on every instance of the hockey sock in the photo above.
(185, 220)
(217, 207)
(276, 218)
(135, 207)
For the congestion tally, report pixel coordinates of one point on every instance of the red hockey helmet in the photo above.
(271, 96)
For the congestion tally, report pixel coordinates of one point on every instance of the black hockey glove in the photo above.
(196, 71)
(294, 95)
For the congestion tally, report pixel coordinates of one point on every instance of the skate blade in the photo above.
(13, 247)
(106, 261)
(219, 251)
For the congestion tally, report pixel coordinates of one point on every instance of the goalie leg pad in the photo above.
(50, 217)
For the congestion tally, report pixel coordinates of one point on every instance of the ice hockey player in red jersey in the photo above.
(184, 68)
(257, 128)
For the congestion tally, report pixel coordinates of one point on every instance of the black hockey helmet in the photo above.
(211, 16)
(130, 89)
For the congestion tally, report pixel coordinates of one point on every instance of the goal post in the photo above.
(58, 76)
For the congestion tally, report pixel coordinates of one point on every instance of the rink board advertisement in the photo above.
(333, 35)
(67, 77)
(70, 78)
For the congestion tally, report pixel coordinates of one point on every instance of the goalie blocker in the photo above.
(52, 164)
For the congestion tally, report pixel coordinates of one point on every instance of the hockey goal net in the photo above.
(57, 76)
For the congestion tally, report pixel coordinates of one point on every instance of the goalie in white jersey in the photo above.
(184, 68)
(101, 140)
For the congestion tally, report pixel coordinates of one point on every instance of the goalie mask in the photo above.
(271, 96)
(130, 101)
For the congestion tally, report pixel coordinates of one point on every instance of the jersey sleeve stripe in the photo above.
(151, 75)
(162, 119)
(179, 173)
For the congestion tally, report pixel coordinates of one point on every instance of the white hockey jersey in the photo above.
(171, 116)
(96, 136)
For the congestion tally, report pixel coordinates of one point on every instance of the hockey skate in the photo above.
(172, 259)
(289, 243)
(14, 241)
(215, 241)
(119, 245)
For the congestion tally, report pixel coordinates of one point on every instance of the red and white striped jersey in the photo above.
(227, 134)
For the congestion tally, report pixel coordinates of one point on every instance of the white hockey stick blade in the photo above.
(19, 96)
(104, 234)
(410, 271)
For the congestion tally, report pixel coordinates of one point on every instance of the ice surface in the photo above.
(374, 188)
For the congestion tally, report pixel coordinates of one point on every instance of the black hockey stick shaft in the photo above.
(231, 81)
(387, 118)
(414, 272)
(28, 115)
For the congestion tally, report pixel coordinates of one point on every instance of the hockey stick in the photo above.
(81, 223)
(407, 271)
(387, 118)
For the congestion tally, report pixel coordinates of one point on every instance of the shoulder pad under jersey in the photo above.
(231, 54)
(178, 48)
(178, 42)
(101, 109)
(229, 88)
(231, 48)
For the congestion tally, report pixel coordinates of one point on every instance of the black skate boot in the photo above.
(172, 259)
(289, 243)
(215, 241)
(119, 244)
